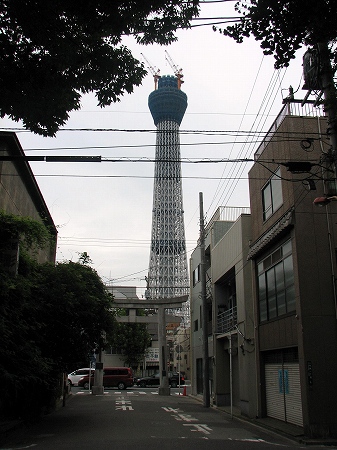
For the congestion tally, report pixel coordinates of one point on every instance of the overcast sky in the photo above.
(105, 208)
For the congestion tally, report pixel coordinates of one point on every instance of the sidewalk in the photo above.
(10, 426)
(288, 430)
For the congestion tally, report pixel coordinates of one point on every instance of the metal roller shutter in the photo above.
(275, 398)
(283, 392)
(293, 400)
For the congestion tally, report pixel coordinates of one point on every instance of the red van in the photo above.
(120, 377)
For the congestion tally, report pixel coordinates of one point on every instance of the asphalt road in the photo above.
(140, 419)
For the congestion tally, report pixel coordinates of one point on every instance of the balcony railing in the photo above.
(227, 320)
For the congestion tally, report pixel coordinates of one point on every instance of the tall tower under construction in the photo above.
(168, 275)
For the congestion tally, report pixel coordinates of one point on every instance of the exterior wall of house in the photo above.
(231, 277)
(196, 330)
(196, 335)
(285, 146)
(231, 337)
(299, 345)
(181, 351)
(112, 360)
(287, 337)
(19, 192)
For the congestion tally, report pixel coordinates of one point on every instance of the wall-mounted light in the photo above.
(322, 201)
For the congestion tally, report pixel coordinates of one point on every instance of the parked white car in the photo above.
(76, 375)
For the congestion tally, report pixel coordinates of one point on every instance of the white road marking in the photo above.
(19, 448)
(200, 427)
(169, 409)
(184, 417)
(124, 408)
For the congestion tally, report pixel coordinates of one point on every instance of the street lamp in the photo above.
(322, 201)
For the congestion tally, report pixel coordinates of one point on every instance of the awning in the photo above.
(281, 225)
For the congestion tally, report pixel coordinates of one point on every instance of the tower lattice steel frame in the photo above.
(168, 274)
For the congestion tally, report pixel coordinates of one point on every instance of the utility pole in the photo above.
(330, 96)
(98, 388)
(205, 366)
(164, 388)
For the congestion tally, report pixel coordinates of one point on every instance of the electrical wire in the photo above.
(220, 186)
(229, 189)
(250, 149)
(135, 159)
(250, 132)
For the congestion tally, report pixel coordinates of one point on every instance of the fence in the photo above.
(227, 320)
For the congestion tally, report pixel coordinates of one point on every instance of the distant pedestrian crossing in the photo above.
(132, 392)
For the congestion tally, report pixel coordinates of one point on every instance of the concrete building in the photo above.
(233, 317)
(271, 284)
(126, 297)
(20, 194)
(231, 340)
(179, 349)
(293, 252)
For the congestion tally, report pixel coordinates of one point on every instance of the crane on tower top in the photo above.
(177, 72)
(154, 70)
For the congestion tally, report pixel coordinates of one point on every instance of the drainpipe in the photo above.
(231, 373)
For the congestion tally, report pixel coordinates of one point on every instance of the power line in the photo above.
(250, 132)
(129, 159)
(216, 18)
(235, 178)
(220, 185)
(295, 138)
(205, 113)
(205, 2)
(250, 149)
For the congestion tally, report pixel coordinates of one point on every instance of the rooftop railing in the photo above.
(228, 214)
(290, 108)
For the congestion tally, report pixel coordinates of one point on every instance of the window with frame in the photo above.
(276, 283)
(272, 195)
(196, 275)
(113, 351)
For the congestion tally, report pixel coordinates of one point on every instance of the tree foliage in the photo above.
(77, 308)
(54, 51)
(31, 233)
(51, 319)
(285, 26)
(132, 339)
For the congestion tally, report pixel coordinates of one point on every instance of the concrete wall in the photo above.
(196, 335)
(19, 192)
(312, 328)
(229, 256)
(284, 147)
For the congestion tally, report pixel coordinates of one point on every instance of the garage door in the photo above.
(283, 392)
